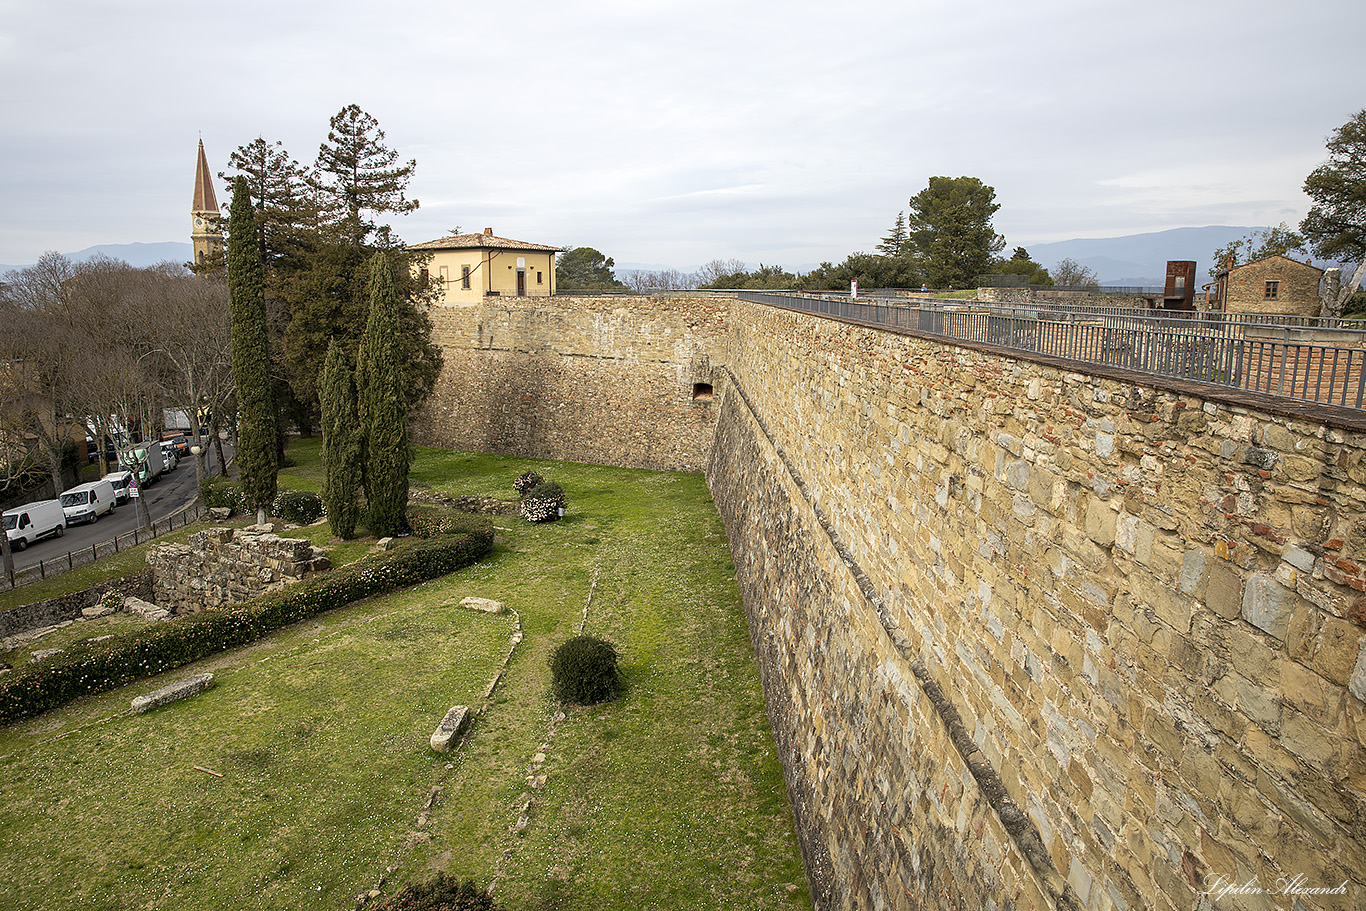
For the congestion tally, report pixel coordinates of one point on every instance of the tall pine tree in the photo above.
(383, 405)
(256, 455)
(341, 443)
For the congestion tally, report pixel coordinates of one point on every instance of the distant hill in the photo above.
(1133, 260)
(136, 255)
(1136, 260)
(1141, 259)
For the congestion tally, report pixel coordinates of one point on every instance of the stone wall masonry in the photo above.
(221, 566)
(889, 813)
(1077, 298)
(1143, 610)
(68, 607)
(611, 380)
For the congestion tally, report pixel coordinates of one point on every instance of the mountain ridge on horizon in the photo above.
(1128, 260)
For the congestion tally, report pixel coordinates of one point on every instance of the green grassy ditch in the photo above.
(670, 797)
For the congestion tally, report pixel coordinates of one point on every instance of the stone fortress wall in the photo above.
(618, 380)
(1029, 637)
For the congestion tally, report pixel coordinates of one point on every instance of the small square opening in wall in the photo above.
(701, 392)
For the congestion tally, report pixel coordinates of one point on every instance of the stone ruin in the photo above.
(221, 566)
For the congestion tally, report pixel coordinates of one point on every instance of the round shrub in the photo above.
(297, 507)
(584, 671)
(526, 482)
(444, 893)
(544, 502)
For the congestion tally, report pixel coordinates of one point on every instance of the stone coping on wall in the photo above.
(1350, 419)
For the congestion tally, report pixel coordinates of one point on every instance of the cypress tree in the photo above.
(256, 454)
(383, 406)
(341, 443)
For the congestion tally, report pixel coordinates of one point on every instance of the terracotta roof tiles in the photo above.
(481, 242)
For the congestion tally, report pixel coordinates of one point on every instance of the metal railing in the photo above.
(55, 566)
(1278, 357)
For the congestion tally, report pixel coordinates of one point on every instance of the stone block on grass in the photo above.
(487, 605)
(450, 728)
(145, 609)
(181, 689)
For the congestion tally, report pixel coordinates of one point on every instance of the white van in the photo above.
(120, 481)
(87, 502)
(26, 524)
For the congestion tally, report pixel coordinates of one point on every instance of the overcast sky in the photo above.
(673, 133)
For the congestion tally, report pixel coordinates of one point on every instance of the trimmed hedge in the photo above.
(430, 521)
(96, 667)
(297, 506)
(223, 493)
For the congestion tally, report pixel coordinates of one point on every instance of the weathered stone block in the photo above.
(181, 689)
(1101, 521)
(487, 605)
(1358, 682)
(1224, 594)
(145, 609)
(450, 728)
(1339, 643)
(1267, 605)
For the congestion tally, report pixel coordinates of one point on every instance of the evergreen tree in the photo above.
(341, 444)
(383, 405)
(358, 174)
(896, 243)
(256, 453)
(950, 225)
(586, 269)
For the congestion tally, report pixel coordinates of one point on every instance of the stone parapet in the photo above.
(220, 566)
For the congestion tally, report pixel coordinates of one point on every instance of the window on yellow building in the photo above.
(1273, 290)
(539, 281)
(465, 277)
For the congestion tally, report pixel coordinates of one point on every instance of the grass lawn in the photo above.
(670, 797)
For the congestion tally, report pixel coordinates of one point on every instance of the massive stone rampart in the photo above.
(617, 380)
(1030, 637)
(980, 586)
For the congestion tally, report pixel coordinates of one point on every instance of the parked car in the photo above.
(169, 457)
(119, 480)
(26, 524)
(87, 502)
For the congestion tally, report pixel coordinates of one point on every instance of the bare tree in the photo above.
(719, 268)
(1071, 274)
(643, 281)
(187, 329)
(40, 351)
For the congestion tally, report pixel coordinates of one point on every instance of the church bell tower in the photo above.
(205, 235)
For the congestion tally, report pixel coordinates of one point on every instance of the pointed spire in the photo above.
(204, 198)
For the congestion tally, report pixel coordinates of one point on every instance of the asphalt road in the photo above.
(168, 493)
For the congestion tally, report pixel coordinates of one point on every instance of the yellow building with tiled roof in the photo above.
(471, 267)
